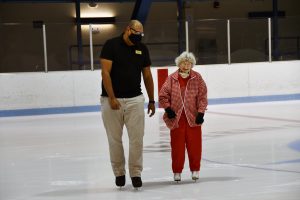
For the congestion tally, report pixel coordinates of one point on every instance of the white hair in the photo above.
(186, 56)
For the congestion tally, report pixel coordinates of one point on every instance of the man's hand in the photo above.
(151, 106)
(114, 104)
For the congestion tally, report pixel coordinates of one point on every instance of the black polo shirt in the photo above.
(127, 65)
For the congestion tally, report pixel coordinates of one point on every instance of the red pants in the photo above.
(189, 137)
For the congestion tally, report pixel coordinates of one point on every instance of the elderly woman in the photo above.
(184, 98)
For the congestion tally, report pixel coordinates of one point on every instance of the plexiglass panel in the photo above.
(21, 48)
(62, 47)
(161, 39)
(249, 40)
(289, 38)
(208, 41)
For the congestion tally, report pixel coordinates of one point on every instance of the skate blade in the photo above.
(137, 188)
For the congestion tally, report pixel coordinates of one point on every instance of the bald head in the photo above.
(136, 24)
(134, 30)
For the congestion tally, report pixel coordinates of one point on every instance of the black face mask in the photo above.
(135, 39)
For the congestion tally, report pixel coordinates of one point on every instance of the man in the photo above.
(123, 60)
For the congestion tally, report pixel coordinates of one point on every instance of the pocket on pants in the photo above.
(141, 98)
(103, 100)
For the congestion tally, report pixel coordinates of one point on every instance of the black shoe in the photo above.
(120, 181)
(136, 182)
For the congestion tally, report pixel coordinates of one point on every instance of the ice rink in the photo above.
(251, 151)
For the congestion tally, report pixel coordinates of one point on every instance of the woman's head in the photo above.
(185, 62)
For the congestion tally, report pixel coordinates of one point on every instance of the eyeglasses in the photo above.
(137, 32)
(186, 63)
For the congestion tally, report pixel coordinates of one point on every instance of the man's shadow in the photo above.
(147, 185)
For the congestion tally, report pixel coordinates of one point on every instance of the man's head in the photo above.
(133, 32)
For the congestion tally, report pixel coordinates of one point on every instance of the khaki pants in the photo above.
(131, 114)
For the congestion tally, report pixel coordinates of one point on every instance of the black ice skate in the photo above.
(120, 181)
(136, 182)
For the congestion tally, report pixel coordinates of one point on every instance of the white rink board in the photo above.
(80, 88)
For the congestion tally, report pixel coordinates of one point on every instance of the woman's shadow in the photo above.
(160, 184)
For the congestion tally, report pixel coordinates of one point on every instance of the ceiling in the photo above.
(89, 1)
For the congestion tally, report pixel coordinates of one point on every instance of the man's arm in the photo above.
(106, 66)
(148, 81)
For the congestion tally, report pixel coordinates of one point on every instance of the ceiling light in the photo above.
(96, 20)
(93, 5)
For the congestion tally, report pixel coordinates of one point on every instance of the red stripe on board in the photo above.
(162, 75)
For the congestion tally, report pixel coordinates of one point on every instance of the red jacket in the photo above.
(195, 99)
